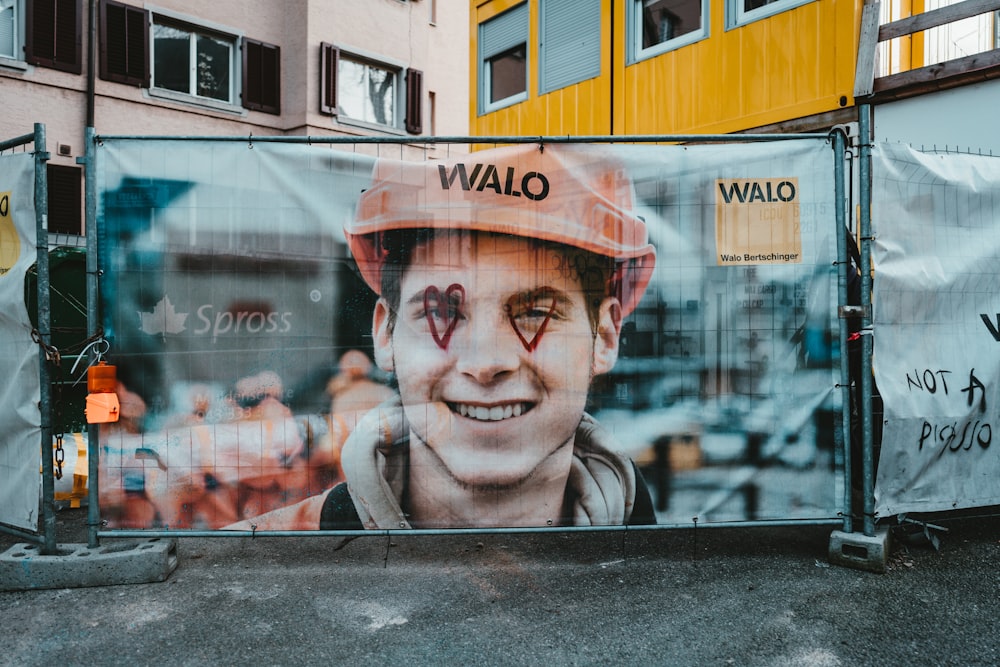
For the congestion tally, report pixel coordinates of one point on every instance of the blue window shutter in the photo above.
(504, 32)
(570, 49)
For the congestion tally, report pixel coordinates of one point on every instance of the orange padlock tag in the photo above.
(102, 408)
(101, 378)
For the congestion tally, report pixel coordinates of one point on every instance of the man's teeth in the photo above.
(495, 413)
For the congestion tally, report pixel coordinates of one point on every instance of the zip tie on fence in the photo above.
(83, 344)
(84, 353)
(866, 331)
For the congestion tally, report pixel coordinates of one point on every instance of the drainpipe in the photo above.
(91, 59)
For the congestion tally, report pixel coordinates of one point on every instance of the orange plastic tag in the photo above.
(102, 408)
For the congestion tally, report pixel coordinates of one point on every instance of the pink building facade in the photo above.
(391, 68)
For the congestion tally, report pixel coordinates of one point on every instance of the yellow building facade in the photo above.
(633, 67)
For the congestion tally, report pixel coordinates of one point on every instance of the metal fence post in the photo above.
(45, 338)
(93, 326)
(840, 212)
(865, 201)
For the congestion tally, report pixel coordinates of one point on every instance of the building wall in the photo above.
(970, 128)
(794, 64)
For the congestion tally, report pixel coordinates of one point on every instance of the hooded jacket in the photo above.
(603, 488)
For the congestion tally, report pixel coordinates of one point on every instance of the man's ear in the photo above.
(609, 328)
(382, 335)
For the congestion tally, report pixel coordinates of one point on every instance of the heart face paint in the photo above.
(529, 306)
(443, 310)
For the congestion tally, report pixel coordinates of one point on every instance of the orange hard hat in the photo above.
(557, 192)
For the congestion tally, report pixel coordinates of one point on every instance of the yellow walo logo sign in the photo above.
(10, 242)
(757, 221)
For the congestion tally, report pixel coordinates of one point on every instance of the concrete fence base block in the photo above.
(24, 567)
(860, 551)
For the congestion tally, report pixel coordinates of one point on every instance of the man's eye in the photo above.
(447, 313)
(536, 313)
(441, 313)
(530, 312)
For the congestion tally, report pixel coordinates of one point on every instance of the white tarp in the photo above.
(20, 481)
(936, 221)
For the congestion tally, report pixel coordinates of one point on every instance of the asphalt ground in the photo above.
(710, 596)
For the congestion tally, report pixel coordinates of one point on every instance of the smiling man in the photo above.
(503, 278)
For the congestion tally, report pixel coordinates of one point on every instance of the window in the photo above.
(10, 29)
(741, 12)
(47, 33)
(658, 26)
(503, 59)
(196, 63)
(432, 113)
(958, 39)
(570, 46)
(64, 199)
(185, 61)
(364, 90)
(367, 91)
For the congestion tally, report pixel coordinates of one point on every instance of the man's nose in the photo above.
(488, 349)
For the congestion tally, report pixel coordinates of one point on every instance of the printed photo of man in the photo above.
(503, 279)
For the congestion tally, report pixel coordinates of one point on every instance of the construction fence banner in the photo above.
(936, 316)
(20, 479)
(567, 334)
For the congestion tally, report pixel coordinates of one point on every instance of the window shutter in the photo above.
(329, 57)
(570, 49)
(414, 101)
(64, 199)
(8, 33)
(54, 33)
(124, 44)
(503, 32)
(261, 76)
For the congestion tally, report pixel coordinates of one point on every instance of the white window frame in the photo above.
(399, 90)
(198, 27)
(485, 71)
(634, 34)
(16, 59)
(736, 16)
